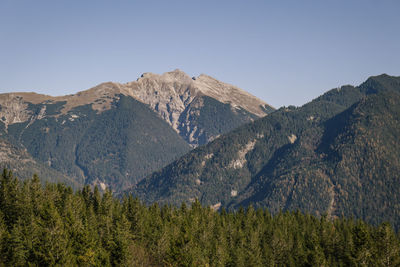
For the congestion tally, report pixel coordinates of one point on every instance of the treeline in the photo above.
(52, 225)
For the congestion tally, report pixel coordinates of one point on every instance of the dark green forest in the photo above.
(52, 225)
(116, 147)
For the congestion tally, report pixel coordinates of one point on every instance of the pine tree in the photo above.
(388, 252)
(52, 247)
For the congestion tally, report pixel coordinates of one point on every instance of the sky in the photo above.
(284, 52)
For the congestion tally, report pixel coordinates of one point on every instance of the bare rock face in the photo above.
(174, 91)
(168, 94)
(175, 96)
(13, 109)
(10, 153)
(179, 100)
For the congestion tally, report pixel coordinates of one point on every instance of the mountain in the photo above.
(115, 134)
(338, 154)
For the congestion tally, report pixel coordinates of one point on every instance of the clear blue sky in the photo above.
(285, 52)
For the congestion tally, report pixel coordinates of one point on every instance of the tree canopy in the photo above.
(52, 225)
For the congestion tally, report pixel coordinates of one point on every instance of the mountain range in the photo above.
(173, 138)
(114, 134)
(337, 155)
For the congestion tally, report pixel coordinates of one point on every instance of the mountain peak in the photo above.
(177, 73)
(172, 94)
(180, 83)
(381, 82)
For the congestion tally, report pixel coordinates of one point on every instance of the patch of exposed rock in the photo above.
(10, 153)
(292, 138)
(168, 94)
(13, 109)
(241, 156)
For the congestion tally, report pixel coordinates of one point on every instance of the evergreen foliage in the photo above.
(53, 226)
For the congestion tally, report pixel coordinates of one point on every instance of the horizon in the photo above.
(276, 107)
(284, 53)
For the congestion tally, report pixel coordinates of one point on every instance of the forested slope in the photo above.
(53, 226)
(115, 147)
(337, 155)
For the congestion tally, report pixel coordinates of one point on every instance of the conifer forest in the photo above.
(51, 225)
